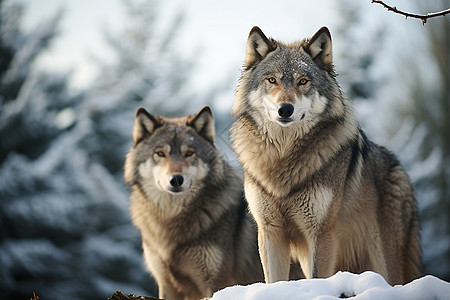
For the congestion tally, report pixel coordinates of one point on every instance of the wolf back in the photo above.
(319, 190)
(187, 202)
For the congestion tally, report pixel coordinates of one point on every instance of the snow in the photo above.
(368, 285)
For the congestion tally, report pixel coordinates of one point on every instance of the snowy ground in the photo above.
(368, 285)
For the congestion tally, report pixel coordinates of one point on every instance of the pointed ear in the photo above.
(203, 123)
(258, 46)
(319, 48)
(144, 125)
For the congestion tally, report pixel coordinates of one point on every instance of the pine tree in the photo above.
(358, 50)
(32, 106)
(357, 58)
(64, 219)
(428, 114)
(26, 118)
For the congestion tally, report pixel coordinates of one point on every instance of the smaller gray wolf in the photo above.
(320, 191)
(187, 202)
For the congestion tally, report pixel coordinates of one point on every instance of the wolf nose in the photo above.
(176, 181)
(286, 110)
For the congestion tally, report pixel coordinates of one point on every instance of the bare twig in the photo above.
(424, 18)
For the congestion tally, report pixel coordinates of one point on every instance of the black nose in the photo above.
(286, 110)
(176, 181)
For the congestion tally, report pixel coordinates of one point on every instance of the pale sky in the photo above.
(220, 28)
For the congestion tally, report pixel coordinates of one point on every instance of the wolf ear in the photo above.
(203, 123)
(319, 47)
(258, 46)
(144, 124)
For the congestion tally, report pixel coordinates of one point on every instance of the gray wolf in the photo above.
(321, 193)
(187, 202)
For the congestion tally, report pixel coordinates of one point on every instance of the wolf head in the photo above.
(288, 85)
(171, 155)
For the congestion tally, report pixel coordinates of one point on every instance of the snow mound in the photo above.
(368, 285)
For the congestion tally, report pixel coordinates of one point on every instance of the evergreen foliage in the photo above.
(64, 219)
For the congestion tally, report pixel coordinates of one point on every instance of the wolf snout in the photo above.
(176, 181)
(286, 110)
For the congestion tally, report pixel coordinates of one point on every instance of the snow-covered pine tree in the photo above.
(425, 112)
(26, 117)
(64, 219)
(34, 110)
(357, 51)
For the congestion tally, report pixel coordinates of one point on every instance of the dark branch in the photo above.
(424, 18)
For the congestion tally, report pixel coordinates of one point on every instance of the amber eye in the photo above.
(303, 81)
(189, 153)
(160, 153)
(272, 80)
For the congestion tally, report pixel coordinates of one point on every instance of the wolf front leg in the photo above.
(323, 255)
(317, 254)
(274, 252)
(161, 273)
(273, 244)
(169, 293)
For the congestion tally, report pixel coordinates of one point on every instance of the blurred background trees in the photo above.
(64, 219)
(65, 230)
(425, 114)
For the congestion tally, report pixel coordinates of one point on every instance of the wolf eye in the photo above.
(189, 153)
(272, 80)
(303, 81)
(160, 153)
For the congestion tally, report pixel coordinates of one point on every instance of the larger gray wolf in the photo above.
(197, 234)
(320, 191)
